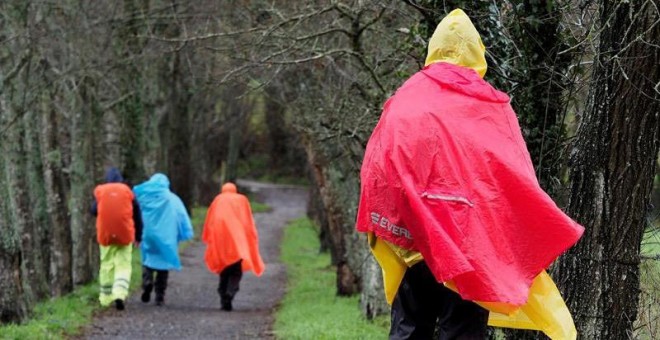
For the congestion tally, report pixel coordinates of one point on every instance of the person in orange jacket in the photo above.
(118, 224)
(232, 242)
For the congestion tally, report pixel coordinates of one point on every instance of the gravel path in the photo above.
(192, 305)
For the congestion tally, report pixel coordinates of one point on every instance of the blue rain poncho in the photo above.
(166, 223)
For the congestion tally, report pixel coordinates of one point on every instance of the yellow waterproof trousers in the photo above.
(115, 273)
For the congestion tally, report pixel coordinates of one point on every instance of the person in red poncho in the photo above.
(449, 198)
(232, 244)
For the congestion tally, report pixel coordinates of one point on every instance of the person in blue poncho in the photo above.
(166, 223)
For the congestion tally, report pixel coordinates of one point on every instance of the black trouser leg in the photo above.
(161, 284)
(230, 279)
(421, 301)
(147, 280)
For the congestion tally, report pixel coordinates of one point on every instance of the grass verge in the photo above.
(65, 316)
(311, 309)
(258, 207)
(647, 325)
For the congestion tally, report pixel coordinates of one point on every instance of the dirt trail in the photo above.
(192, 305)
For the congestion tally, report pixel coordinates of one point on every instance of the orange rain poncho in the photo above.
(230, 234)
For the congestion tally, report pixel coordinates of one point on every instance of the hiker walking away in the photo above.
(118, 225)
(166, 223)
(452, 207)
(232, 244)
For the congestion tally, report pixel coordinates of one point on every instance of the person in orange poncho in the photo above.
(451, 205)
(232, 244)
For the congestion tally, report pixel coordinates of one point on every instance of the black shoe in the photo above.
(119, 304)
(226, 306)
(160, 300)
(146, 296)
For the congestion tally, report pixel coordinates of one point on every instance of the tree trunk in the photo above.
(131, 110)
(233, 148)
(179, 156)
(339, 193)
(613, 163)
(36, 241)
(372, 299)
(14, 302)
(316, 212)
(19, 199)
(132, 134)
(13, 306)
(61, 243)
(237, 117)
(82, 183)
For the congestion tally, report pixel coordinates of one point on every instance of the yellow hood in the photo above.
(456, 41)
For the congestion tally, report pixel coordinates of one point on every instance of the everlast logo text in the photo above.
(385, 223)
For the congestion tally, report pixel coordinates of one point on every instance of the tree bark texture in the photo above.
(132, 109)
(18, 201)
(339, 192)
(37, 240)
(14, 302)
(612, 167)
(54, 180)
(316, 212)
(237, 112)
(179, 167)
(85, 261)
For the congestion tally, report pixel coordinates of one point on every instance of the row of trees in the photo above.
(88, 84)
(583, 79)
(185, 87)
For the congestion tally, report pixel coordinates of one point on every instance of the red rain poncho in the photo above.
(230, 234)
(446, 172)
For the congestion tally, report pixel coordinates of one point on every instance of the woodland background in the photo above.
(207, 91)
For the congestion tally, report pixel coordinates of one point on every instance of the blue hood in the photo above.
(166, 223)
(113, 176)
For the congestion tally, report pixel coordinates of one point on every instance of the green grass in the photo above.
(258, 207)
(257, 167)
(64, 316)
(311, 309)
(648, 318)
(198, 217)
(53, 319)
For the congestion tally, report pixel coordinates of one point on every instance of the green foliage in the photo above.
(258, 207)
(198, 217)
(311, 309)
(256, 167)
(649, 304)
(65, 316)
